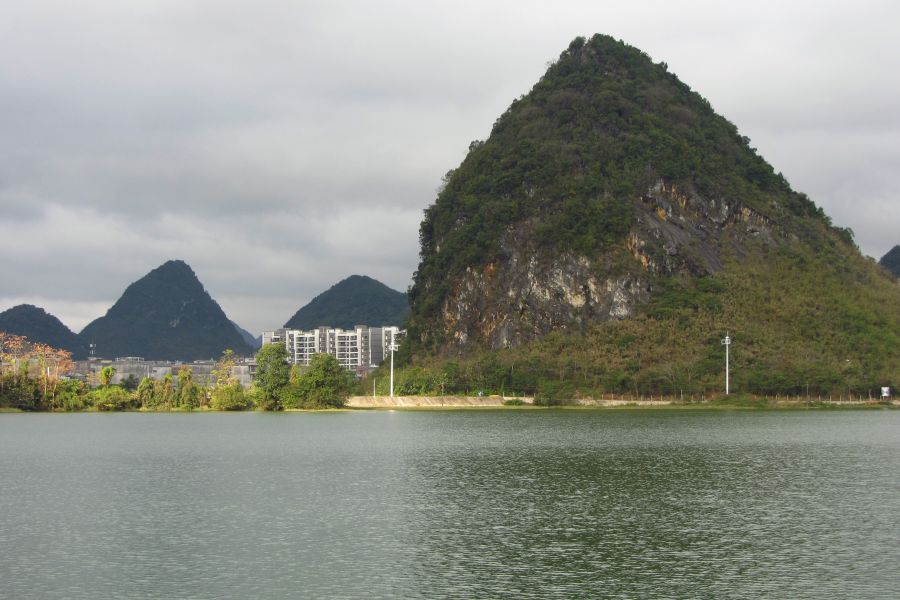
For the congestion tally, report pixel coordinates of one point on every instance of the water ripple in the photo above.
(486, 504)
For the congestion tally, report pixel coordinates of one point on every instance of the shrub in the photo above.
(554, 393)
(229, 397)
(111, 398)
(273, 375)
(324, 385)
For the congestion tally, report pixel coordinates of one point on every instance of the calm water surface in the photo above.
(456, 504)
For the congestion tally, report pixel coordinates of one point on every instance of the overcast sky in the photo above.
(278, 147)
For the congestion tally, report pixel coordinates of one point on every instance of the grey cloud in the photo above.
(245, 138)
(19, 204)
(259, 263)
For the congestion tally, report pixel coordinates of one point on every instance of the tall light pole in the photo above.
(393, 347)
(727, 342)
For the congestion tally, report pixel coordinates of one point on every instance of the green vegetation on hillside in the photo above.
(357, 300)
(608, 155)
(165, 315)
(576, 153)
(827, 319)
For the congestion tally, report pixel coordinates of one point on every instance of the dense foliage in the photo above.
(27, 385)
(574, 156)
(357, 300)
(26, 388)
(323, 384)
(803, 320)
(166, 315)
(273, 374)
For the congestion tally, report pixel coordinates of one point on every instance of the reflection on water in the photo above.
(457, 504)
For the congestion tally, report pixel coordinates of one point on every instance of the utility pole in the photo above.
(849, 391)
(727, 342)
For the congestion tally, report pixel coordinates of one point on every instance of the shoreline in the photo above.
(723, 402)
(433, 403)
(625, 407)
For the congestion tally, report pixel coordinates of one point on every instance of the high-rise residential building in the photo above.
(358, 348)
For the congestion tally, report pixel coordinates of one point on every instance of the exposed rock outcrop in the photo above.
(526, 295)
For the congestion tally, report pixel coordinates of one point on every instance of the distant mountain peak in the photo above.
(38, 325)
(891, 261)
(167, 314)
(356, 300)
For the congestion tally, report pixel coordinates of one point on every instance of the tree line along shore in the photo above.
(34, 378)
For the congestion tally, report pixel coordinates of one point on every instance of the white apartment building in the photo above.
(358, 348)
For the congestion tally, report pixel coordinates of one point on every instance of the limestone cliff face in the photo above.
(524, 296)
(530, 293)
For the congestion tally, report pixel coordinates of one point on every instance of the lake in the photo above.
(451, 504)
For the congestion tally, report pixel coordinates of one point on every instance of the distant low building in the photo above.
(356, 350)
(138, 368)
(244, 372)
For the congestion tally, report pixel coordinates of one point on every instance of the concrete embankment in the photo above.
(434, 401)
(489, 401)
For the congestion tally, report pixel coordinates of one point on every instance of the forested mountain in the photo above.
(40, 326)
(613, 220)
(357, 300)
(166, 315)
(891, 261)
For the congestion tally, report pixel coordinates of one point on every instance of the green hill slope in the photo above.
(608, 178)
(357, 300)
(613, 227)
(40, 326)
(166, 315)
(801, 322)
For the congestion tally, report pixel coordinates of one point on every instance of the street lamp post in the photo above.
(393, 348)
(727, 342)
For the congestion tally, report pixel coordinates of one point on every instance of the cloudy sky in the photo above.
(278, 147)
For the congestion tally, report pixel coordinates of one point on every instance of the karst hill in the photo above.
(39, 326)
(165, 315)
(356, 300)
(612, 201)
